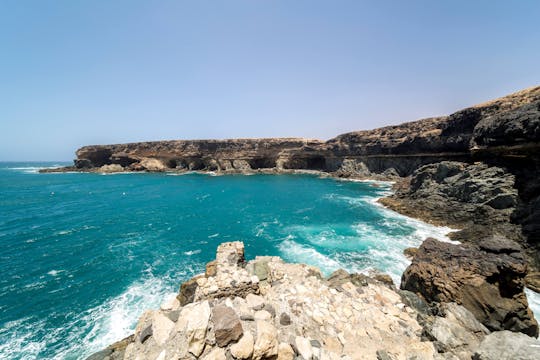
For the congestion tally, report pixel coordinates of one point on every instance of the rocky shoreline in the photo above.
(268, 309)
(476, 170)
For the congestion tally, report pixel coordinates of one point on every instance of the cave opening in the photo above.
(263, 163)
(316, 163)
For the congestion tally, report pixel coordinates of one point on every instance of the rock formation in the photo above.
(269, 309)
(487, 279)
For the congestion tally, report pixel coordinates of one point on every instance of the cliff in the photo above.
(508, 126)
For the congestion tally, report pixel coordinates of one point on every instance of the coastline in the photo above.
(460, 171)
(379, 201)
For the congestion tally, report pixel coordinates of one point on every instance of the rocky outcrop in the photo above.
(506, 345)
(234, 155)
(488, 280)
(511, 122)
(476, 198)
(294, 312)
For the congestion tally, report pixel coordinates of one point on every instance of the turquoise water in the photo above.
(84, 254)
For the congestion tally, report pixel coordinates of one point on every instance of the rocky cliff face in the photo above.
(508, 127)
(208, 155)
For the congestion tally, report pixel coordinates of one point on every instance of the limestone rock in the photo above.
(506, 345)
(215, 354)
(112, 168)
(255, 302)
(266, 344)
(193, 323)
(161, 327)
(227, 325)
(285, 352)
(304, 347)
(171, 304)
(211, 269)
(458, 332)
(145, 333)
(243, 349)
(262, 315)
(347, 316)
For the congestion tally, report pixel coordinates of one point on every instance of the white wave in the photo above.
(120, 173)
(365, 246)
(55, 272)
(534, 302)
(376, 182)
(19, 339)
(192, 252)
(213, 235)
(92, 330)
(295, 252)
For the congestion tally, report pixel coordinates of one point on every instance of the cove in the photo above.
(85, 254)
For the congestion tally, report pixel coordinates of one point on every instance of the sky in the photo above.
(75, 73)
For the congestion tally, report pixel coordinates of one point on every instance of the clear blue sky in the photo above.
(91, 72)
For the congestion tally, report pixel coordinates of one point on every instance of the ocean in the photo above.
(83, 255)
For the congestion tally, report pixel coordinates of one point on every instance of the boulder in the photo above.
(285, 352)
(506, 345)
(162, 327)
(111, 168)
(457, 331)
(255, 302)
(193, 324)
(152, 164)
(187, 291)
(266, 344)
(227, 325)
(304, 347)
(490, 285)
(216, 354)
(243, 349)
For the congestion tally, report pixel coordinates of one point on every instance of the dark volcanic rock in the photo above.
(488, 284)
(227, 325)
(187, 291)
(477, 198)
